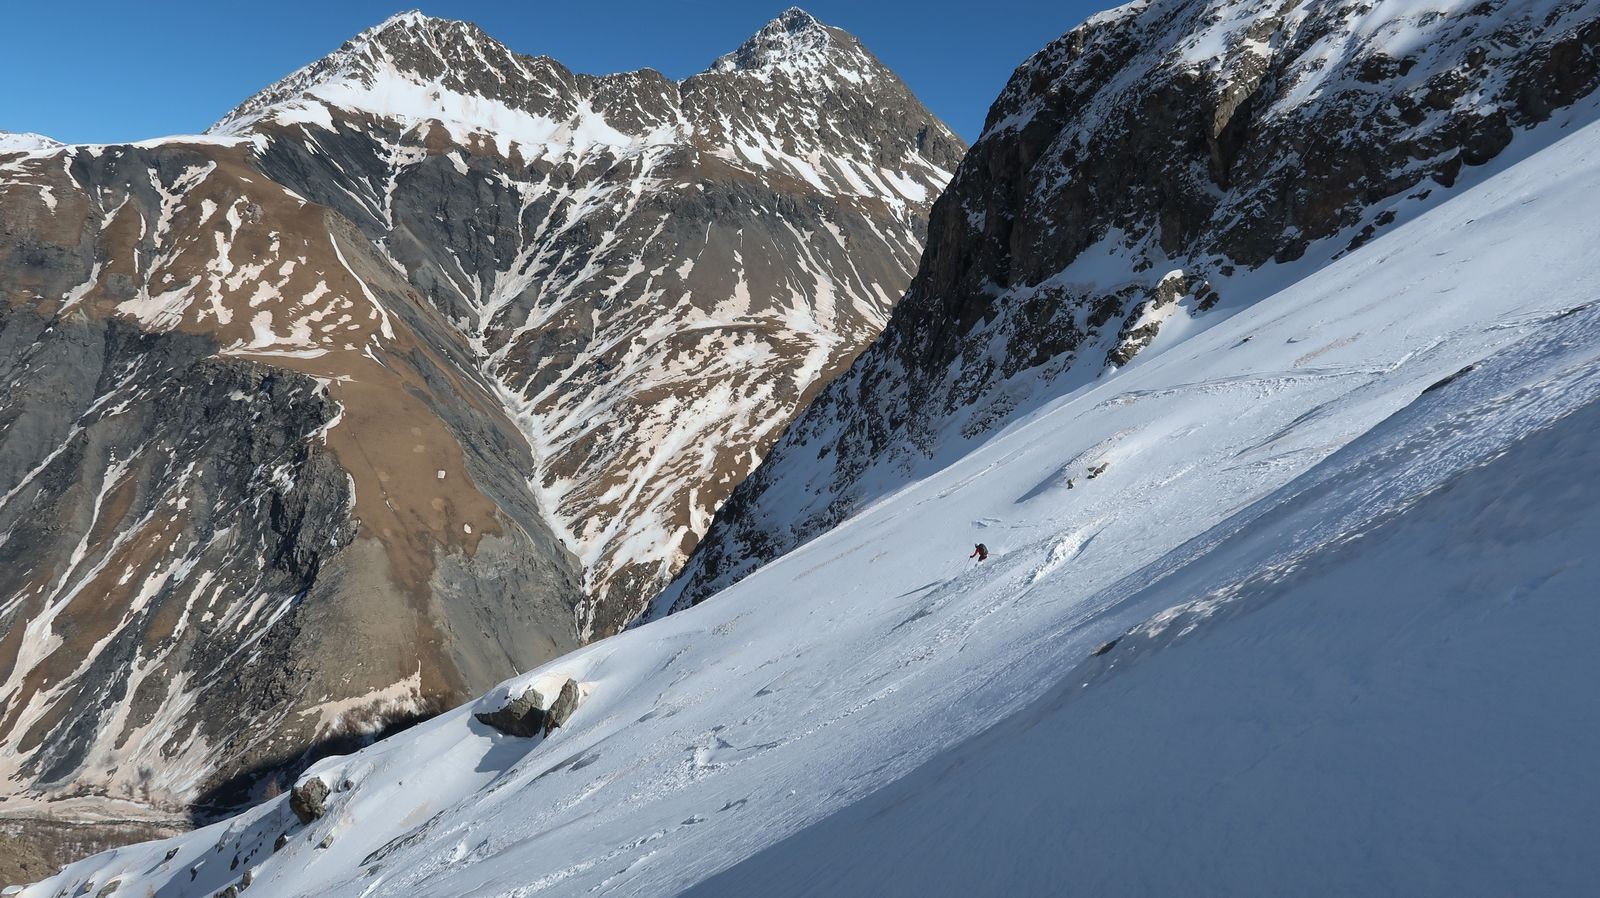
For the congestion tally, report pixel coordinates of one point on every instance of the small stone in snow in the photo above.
(1105, 647)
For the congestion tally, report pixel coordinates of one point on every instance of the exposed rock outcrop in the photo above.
(522, 716)
(530, 713)
(308, 799)
(565, 703)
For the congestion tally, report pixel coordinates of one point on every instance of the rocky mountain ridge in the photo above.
(775, 201)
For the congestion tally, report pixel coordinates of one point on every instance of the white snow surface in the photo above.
(25, 142)
(1360, 657)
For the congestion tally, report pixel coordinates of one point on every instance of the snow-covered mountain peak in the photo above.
(413, 67)
(413, 71)
(793, 35)
(25, 142)
(796, 43)
(802, 103)
(411, 19)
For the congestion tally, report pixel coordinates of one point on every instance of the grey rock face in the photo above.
(308, 800)
(1127, 173)
(565, 704)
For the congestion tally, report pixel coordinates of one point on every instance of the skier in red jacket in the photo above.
(980, 552)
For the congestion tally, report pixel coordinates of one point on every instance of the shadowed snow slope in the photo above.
(1353, 639)
(1365, 699)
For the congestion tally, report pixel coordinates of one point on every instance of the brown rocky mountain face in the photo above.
(655, 275)
(1160, 160)
(425, 365)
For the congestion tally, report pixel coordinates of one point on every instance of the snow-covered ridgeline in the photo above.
(417, 69)
(1350, 400)
(25, 142)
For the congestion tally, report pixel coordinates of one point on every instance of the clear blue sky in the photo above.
(104, 71)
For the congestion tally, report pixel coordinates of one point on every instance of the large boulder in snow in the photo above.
(309, 799)
(566, 703)
(522, 716)
(528, 714)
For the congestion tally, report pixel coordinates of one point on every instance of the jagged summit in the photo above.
(416, 66)
(385, 68)
(795, 35)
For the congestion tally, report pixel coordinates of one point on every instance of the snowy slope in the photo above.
(1385, 462)
(12, 142)
(1401, 709)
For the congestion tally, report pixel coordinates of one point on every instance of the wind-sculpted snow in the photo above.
(426, 365)
(1165, 164)
(1297, 604)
